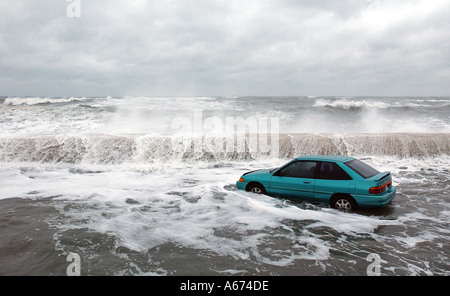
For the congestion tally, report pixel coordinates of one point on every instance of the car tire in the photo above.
(256, 188)
(343, 202)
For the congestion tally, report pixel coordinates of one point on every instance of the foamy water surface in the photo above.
(97, 177)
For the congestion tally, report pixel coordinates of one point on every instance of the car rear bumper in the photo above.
(376, 201)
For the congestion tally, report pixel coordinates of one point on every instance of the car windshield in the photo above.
(363, 169)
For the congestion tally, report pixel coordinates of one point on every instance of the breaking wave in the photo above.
(151, 149)
(349, 104)
(38, 100)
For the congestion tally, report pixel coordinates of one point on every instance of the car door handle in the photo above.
(307, 182)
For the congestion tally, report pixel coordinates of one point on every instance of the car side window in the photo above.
(331, 171)
(299, 169)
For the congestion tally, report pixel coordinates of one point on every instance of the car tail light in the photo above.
(380, 189)
(241, 180)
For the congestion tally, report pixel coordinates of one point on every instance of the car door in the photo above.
(295, 180)
(331, 179)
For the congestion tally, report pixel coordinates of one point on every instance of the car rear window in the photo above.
(363, 169)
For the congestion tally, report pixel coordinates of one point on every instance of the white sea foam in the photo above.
(136, 189)
(192, 209)
(156, 115)
(16, 101)
(145, 206)
(349, 104)
(115, 150)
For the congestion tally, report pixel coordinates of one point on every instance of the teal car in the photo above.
(342, 182)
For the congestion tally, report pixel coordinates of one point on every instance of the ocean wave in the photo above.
(349, 104)
(437, 100)
(17, 101)
(165, 149)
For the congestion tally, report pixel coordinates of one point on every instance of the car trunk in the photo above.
(381, 182)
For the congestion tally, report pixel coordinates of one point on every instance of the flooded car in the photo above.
(343, 182)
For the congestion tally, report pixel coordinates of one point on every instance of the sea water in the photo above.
(139, 185)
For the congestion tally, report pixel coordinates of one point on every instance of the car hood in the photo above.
(258, 172)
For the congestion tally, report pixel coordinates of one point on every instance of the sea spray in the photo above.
(147, 149)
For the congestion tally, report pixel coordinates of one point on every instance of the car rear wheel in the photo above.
(256, 188)
(344, 203)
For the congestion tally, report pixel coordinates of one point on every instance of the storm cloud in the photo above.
(204, 47)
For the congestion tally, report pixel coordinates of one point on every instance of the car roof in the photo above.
(326, 158)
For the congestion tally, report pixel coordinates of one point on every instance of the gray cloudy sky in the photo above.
(215, 47)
